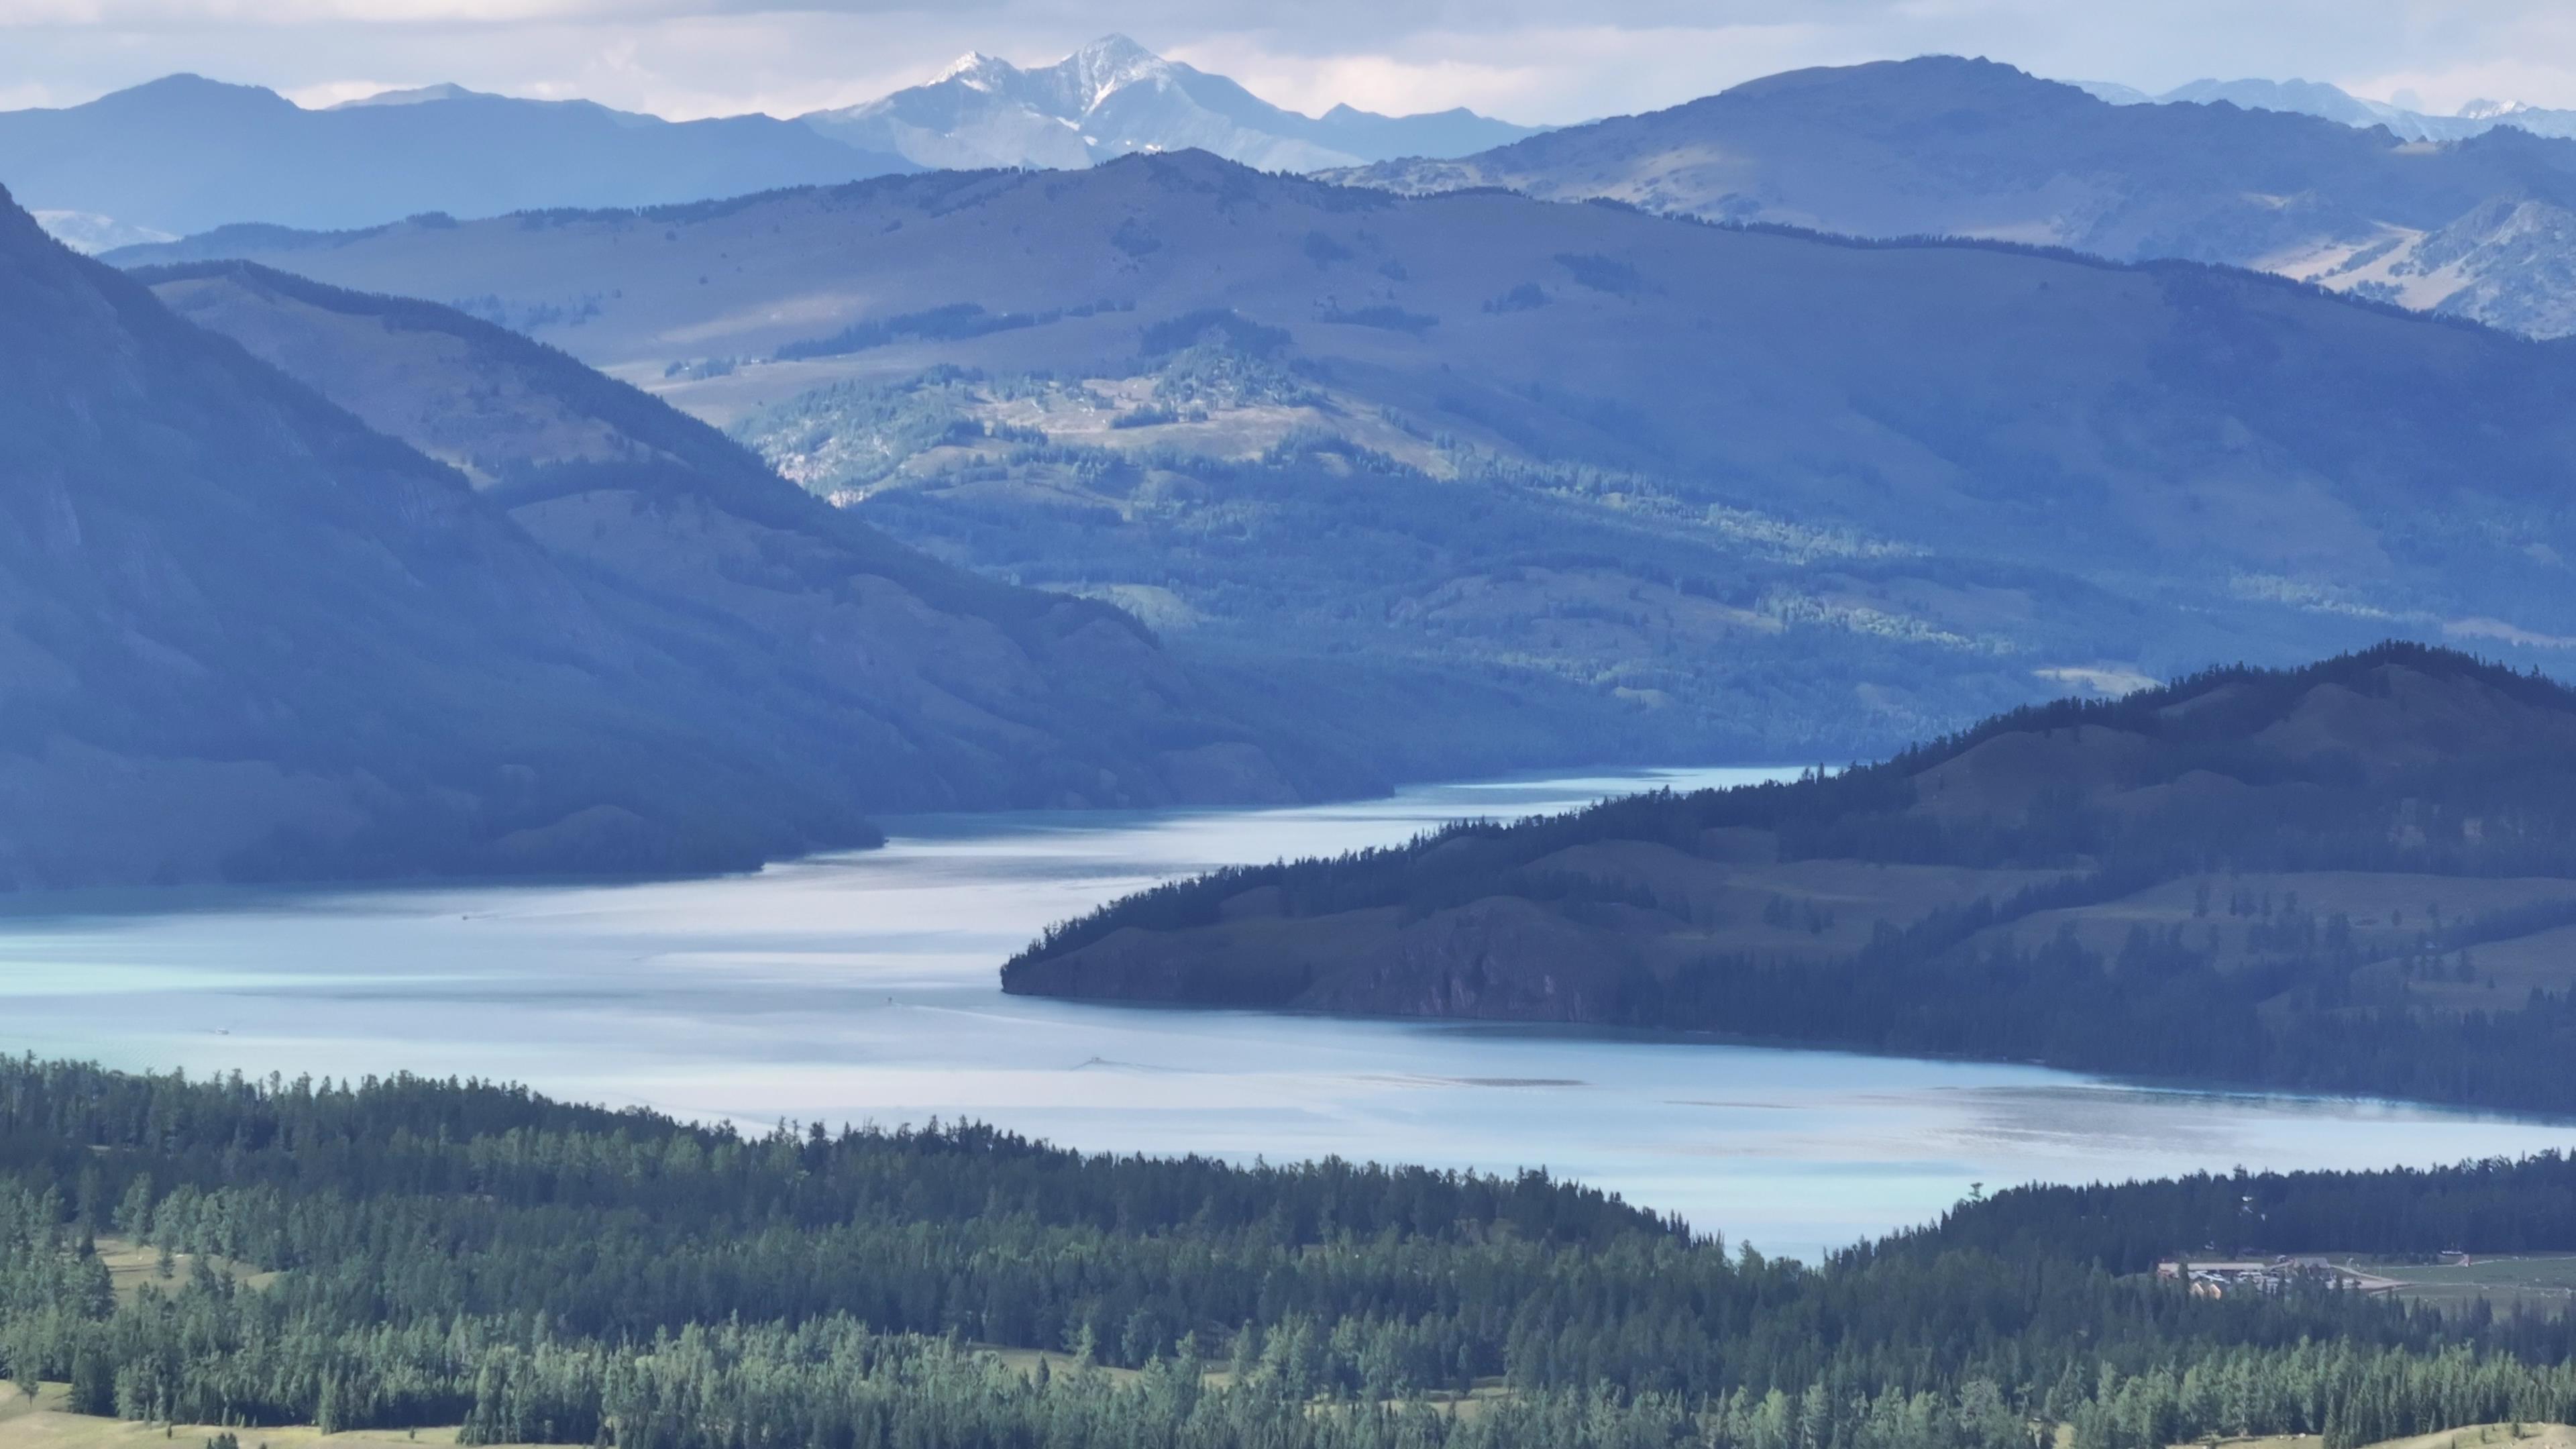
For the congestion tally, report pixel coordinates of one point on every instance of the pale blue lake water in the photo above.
(862, 987)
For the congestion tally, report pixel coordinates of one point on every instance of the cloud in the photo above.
(1538, 60)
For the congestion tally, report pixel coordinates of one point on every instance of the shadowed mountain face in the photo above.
(247, 636)
(1942, 146)
(1113, 97)
(2354, 877)
(1688, 483)
(183, 154)
(968, 693)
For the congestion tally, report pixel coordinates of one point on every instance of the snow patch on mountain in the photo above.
(1114, 97)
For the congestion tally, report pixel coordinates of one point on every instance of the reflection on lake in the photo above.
(862, 987)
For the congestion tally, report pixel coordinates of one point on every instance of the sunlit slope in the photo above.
(2169, 418)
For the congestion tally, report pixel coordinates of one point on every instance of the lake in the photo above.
(862, 987)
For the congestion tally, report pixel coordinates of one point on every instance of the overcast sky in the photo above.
(1527, 60)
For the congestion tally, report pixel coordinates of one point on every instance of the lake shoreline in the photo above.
(861, 987)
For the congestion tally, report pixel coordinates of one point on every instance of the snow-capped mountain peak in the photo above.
(1112, 97)
(1106, 66)
(976, 69)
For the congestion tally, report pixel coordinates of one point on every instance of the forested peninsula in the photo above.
(411, 1252)
(2354, 877)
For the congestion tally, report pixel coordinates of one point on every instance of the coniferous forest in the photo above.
(449, 1253)
(2139, 910)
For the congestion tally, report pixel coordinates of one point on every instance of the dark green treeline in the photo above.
(460, 1253)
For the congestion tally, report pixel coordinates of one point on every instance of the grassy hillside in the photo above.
(931, 687)
(1912, 483)
(2352, 877)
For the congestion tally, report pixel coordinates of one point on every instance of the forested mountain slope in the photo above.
(959, 691)
(2350, 877)
(465, 1254)
(247, 636)
(1676, 489)
(2479, 227)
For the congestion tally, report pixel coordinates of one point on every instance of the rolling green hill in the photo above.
(2350, 877)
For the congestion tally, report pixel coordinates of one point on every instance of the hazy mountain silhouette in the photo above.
(184, 153)
(2317, 98)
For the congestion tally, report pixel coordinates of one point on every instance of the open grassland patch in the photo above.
(42, 1422)
(132, 1265)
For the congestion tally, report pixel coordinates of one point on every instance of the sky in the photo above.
(1538, 61)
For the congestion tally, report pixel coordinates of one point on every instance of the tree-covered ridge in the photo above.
(466, 1253)
(1864, 810)
(2500, 1205)
(2229, 703)
(2237, 877)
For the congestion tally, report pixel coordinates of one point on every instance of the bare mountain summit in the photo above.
(2474, 227)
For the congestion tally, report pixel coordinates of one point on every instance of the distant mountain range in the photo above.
(2317, 98)
(185, 154)
(1490, 480)
(1114, 97)
(2481, 227)
(249, 636)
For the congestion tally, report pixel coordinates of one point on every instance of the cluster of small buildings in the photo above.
(2267, 1277)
